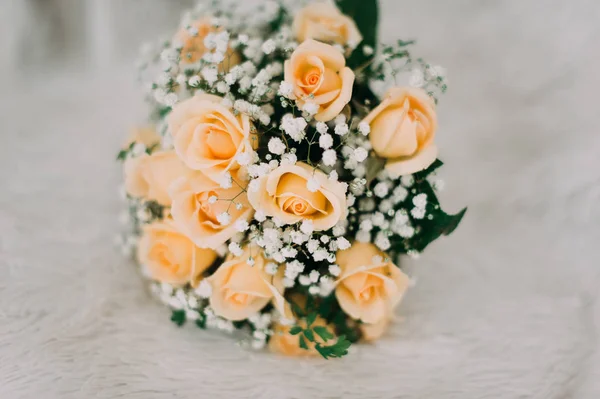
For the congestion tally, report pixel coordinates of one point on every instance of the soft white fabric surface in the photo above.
(507, 307)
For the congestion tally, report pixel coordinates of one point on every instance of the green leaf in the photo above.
(302, 342)
(428, 229)
(123, 153)
(366, 15)
(295, 330)
(298, 311)
(375, 165)
(323, 332)
(311, 318)
(309, 335)
(339, 349)
(178, 317)
(432, 168)
(201, 321)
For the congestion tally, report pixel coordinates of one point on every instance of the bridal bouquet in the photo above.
(284, 169)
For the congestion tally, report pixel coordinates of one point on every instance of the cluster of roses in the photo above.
(239, 212)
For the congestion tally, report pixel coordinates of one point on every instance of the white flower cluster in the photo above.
(382, 214)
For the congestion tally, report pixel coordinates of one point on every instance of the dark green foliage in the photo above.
(178, 317)
(366, 15)
(339, 349)
(123, 153)
(436, 224)
(323, 332)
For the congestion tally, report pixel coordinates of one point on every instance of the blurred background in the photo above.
(507, 307)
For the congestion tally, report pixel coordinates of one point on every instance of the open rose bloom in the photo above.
(272, 190)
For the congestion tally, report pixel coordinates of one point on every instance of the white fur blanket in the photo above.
(507, 307)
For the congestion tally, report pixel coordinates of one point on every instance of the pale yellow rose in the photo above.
(196, 215)
(372, 332)
(283, 193)
(403, 127)
(370, 286)
(193, 47)
(149, 176)
(287, 344)
(239, 290)
(318, 73)
(208, 136)
(170, 257)
(325, 22)
(145, 135)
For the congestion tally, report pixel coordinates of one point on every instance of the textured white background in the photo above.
(507, 307)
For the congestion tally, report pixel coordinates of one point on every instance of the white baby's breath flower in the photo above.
(244, 158)
(241, 225)
(381, 189)
(325, 141)
(322, 127)
(235, 249)
(420, 200)
(360, 154)
(224, 218)
(382, 242)
(364, 128)
(329, 158)
(304, 280)
(138, 149)
(286, 90)
(343, 243)
(271, 268)
(260, 216)
(313, 185)
(204, 289)
(170, 99)
(288, 159)
(418, 213)
(314, 290)
(335, 270)
(339, 231)
(417, 78)
(276, 146)
(268, 46)
(314, 276)
(210, 74)
(225, 181)
(310, 108)
(400, 193)
(407, 180)
(222, 87)
(341, 129)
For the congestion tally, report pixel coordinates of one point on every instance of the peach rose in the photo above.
(197, 215)
(239, 290)
(318, 73)
(403, 128)
(287, 344)
(170, 256)
(193, 47)
(144, 135)
(208, 136)
(149, 176)
(283, 193)
(372, 332)
(324, 22)
(368, 288)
